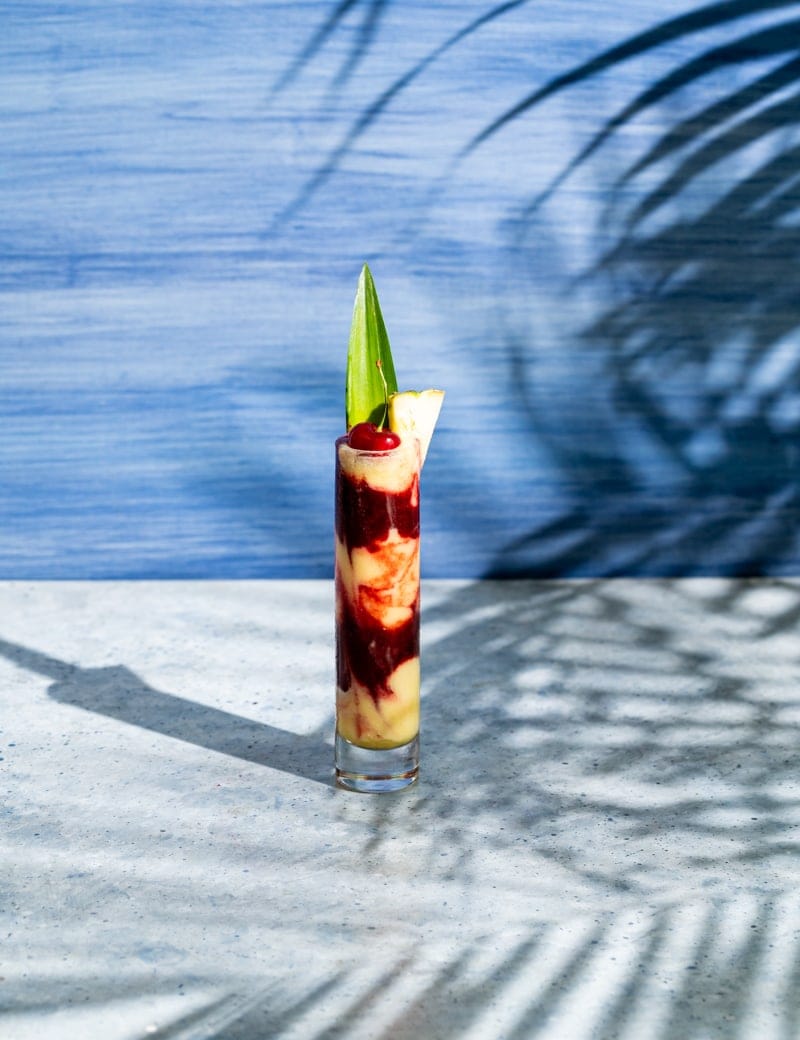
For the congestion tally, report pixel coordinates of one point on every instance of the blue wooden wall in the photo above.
(582, 219)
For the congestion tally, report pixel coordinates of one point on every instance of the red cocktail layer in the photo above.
(377, 595)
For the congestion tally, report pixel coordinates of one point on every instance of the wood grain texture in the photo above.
(187, 193)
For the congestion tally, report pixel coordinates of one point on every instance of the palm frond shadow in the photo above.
(580, 688)
(368, 28)
(535, 990)
(571, 723)
(751, 47)
(375, 109)
(675, 974)
(545, 984)
(602, 735)
(698, 331)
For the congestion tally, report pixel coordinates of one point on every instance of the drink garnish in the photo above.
(372, 400)
(416, 412)
(370, 368)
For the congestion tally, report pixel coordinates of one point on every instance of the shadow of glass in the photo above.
(118, 693)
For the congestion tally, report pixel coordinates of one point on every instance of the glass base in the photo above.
(376, 770)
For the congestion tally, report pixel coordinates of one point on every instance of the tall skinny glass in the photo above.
(377, 617)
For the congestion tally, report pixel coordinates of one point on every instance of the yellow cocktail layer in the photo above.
(387, 722)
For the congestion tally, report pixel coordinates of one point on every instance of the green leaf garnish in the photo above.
(370, 369)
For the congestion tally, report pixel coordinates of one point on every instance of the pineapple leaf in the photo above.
(366, 396)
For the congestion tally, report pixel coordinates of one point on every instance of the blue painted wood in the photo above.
(187, 192)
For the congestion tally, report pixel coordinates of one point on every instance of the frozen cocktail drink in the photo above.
(377, 576)
(377, 601)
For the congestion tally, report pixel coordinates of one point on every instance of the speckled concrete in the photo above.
(605, 841)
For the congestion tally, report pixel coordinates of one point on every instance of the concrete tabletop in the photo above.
(604, 843)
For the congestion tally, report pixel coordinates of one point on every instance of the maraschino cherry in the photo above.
(365, 436)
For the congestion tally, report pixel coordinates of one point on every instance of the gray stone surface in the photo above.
(604, 842)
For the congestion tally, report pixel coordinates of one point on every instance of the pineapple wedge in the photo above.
(415, 412)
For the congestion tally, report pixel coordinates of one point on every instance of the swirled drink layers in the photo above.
(377, 594)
